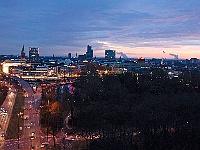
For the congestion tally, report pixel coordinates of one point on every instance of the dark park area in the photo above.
(131, 111)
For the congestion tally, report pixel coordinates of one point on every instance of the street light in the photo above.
(18, 130)
(19, 114)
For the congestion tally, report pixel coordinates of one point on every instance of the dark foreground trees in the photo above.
(133, 111)
(129, 111)
(51, 116)
(3, 92)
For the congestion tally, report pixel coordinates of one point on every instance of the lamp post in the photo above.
(18, 130)
(18, 115)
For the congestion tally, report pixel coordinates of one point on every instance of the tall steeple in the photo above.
(23, 48)
(23, 53)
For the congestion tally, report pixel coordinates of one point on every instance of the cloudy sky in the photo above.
(138, 28)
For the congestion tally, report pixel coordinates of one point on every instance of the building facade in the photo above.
(33, 54)
(110, 55)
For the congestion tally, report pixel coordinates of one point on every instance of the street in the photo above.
(5, 113)
(32, 136)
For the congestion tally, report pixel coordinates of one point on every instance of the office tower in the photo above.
(33, 54)
(69, 55)
(110, 55)
(23, 53)
(89, 53)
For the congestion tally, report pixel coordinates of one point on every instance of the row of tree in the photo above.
(53, 111)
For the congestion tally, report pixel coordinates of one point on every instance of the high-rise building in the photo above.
(23, 53)
(33, 54)
(89, 53)
(110, 55)
(69, 55)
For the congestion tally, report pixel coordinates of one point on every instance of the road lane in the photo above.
(31, 124)
(6, 111)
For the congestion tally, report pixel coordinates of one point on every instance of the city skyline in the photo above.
(143, 28)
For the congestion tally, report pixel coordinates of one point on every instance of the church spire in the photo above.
(23, 53)
(22, 49)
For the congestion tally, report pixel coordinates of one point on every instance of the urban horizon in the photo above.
(169, 56)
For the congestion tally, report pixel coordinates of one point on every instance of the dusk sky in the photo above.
(138, 28)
